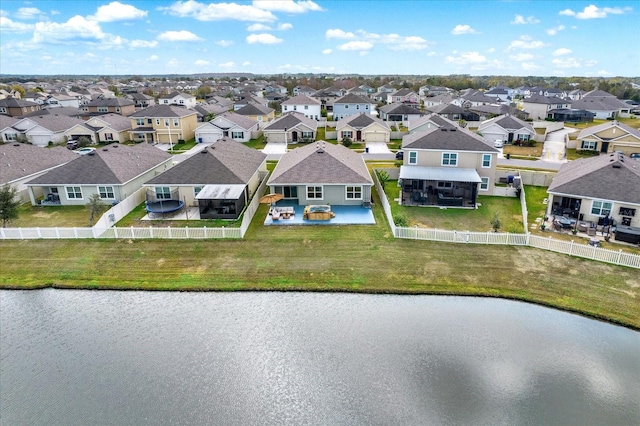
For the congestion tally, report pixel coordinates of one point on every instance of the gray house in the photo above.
(220, 180)
(322, 173)
(351, 104)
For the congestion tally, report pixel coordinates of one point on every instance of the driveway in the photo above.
(555, 146)
(377, 148)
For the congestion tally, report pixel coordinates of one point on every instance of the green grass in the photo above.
(321, 134)
(179, 148)
(134, 218)
(256, 143)
(574, 154)
(52, 216)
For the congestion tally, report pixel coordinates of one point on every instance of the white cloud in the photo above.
(530, 66)
(327, 51)
(356, 45)
(284, 26)
(218, 11)
(405, 43)
(28, 13)
(525, 42)
(7, 25)
(555, 30)
(226, 65)
(153, 58)
(561, 52)
(594, 12)
(246, 63)
(467, 58)
(258, 27)
(566, 63)
(463, 29)
(224, 43)
(521, 20)
(521, 57)
(182, 35)
(143, 44)
(201, 63)
(76, 27)
(263, 39)
(173, 63)
(491, 50)
(287, 6)
(116, 11)
(337, 33)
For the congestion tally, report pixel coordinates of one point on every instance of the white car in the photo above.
(84, 151)
(498, 143)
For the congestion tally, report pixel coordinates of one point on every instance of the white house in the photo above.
(303, 104)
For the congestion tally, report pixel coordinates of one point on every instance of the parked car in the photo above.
(72, 144)
(498, 143)
(400, 155)
(635, 156)
(84, 151)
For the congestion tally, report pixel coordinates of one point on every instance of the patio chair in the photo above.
(591, 231)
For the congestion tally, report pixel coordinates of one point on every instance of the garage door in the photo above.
(375, 137)
(40, 140)
(208, 137)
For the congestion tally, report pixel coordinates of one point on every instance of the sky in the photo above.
(511, 37)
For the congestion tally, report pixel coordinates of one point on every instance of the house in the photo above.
(102, 105)
(403, 96)
(257, 112)
(506, 128)
(114, 172)
(275, 88)
(140, 100)
(502, 93)
(350, 105)
(206, 112)
(399, 112)
(63, 99)
(327, 97)
(590, 189)
(110, 128)
(387, 88)
(538, 106)
(363, 128)
(604, 105)
(571, 115)
(228, 124)
(177, 98)
(322, 173)
(163, 124)
(7, 132)
(427, 122)
(358, 91)
(22, 162)
(303, 90)
(220, 180)
(446, 166)
(52, 128)
(609, 137)
(17, 107)
(368, 89)
(292, 127)
(453, 112)
(306, 105)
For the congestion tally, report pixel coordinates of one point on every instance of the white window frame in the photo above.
(158, 121)
(413, 157)
(485, 158)
(108, 136)
(451, 159)
(315, 193)
(347, 134)
(484, 185)
(103, 109)
(353, 192)
(106, 192)
(139, 121)
(176, 122)
(73, 191)
(589, 145)
(11, 136)
(237, 135)
(307, 135)
(163, 192)
(196, 190)
(598, 207)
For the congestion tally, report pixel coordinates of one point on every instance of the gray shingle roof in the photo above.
(240, 120)
(108, 102)
(254, 109)
(397, 108)
(112, 165)
(12, 102)
(56, 123)
(447, 137)
(114, 121)
(19, 160)
(291, 120)
(224, 162)
(360, 121)
(68, 111)
(301, 100)
(607, 177)
(163, 111)
(350, 98)
(508, 122)
(320, 163)
(609, 124)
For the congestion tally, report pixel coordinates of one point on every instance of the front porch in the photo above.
(438, 186)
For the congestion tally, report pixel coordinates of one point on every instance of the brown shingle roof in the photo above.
(19, 160)
(447, 137)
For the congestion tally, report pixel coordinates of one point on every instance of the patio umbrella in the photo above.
(271, 198)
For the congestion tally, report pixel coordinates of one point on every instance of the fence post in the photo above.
(57, 233)
(619, 256)
(527, 239)
(549, 244)
(38, 231)
(507, 243)
(150, 231)
(115, 232)
(467, 237)
(2, 233)
(169, 229)
(593, 253)
(223, 233)
(415, 227)
(21, 236)
(571, 249)
(186, 232)
(75, 233)
(133, 235)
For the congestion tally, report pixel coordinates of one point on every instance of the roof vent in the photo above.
(105, 149)
(453, 130)
(16, 144)
(204, 151)
(443, 129)
(616, 166)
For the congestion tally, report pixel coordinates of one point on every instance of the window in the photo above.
(306, 107)
(590, 145)
(413, 157)
(74, 192)
(484, 185)
(237, 135)
(140, 122)
(196, 190)
(11, 136)
(445, 185)
(354, 193)
(117, 109)
(314, 192)
(486, 160)
(166, 122)
(295, 107)
(524, 137)
(166, 101)
(307, 135)
(601, 208)
(176, 122)
(449, 159)
(163, 193)
(108, 136)
(149, 121)
(140, 135)
(103, 109)
(357, 106)
(3, 110)
(181, 101)
(106, 192)
(347, 134)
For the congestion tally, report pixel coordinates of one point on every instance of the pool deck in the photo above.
(345, 215)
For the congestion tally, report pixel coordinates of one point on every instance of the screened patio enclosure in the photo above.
(438, 186)
(221, 201)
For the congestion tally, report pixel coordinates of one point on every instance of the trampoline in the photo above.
(164, 206)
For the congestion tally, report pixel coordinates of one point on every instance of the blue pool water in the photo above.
(345, 215)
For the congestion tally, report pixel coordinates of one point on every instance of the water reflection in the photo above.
(72, 357)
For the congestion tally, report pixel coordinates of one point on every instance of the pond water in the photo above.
(116, 358)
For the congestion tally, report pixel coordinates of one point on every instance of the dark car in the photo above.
(72, 144)
(400, 155)
(635, 156)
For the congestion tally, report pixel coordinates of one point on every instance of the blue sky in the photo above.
(520, 38)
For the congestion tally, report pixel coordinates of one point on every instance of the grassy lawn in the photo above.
(523, 151)
(321, 134)
(53, 216)
(395, 144)
(179, 148)
(256, 143)
(479, 220)
(574, 154)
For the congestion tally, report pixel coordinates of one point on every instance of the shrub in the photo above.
(400, 220)
(346, 141)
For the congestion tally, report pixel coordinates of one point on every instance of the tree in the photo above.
(383, 177)
(83, 141)
(19, 89)
(346, 141)
(94, 206)
(496, 223)
(8, 204)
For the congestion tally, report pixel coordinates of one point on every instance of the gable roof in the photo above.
(447, 137)
(400, 108)
(291, 120)
(507, 122)
(175, 94)
(11, 102)
(163, 111)
(114, 164)
(113, 121)
(360, 121)
(320, 163)
(68, 111)
(254, 109)
(592, 131)
(18, 160)
(237, 119)
(223, 162)
(350, 98)
(54, 122)
(599, 101)
(109, 102)
(608, 177)
(301, 100)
